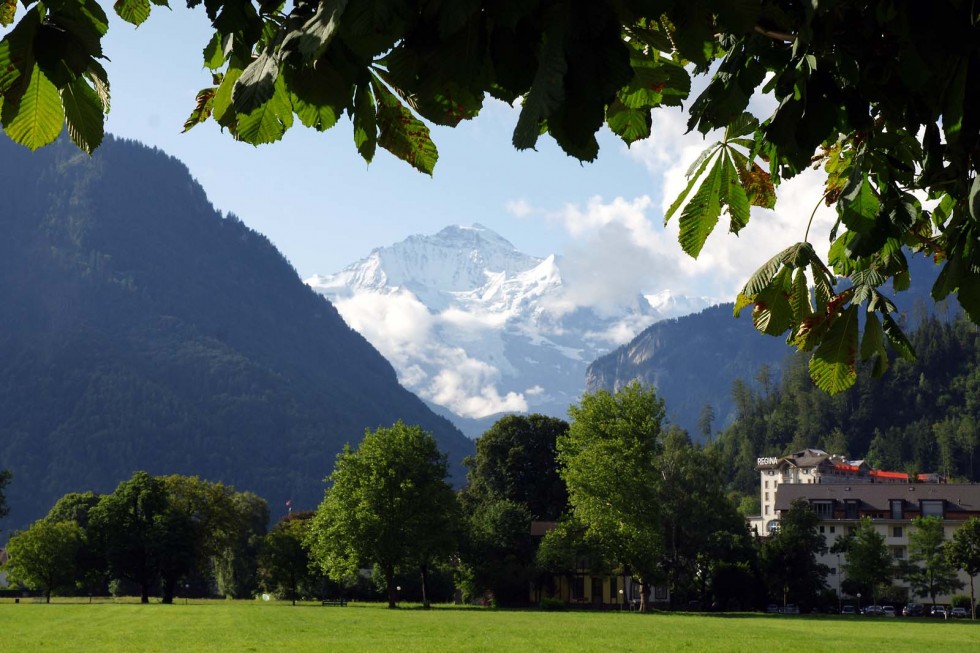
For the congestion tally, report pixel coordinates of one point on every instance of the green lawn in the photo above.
(266, 627)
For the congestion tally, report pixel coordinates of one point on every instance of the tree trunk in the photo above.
(424, 569)
(144, 592)
(389, 572)
(168, 591)
(973, 602)
(47, 595)
(644, 592)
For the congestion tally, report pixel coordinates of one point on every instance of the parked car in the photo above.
(939, 611)
(848, 609)
(873, 610)
(791, 608)
(772, 608)
(959, 613)
(914, 610)
(888, 611)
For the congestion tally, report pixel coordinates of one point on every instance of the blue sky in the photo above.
(324, 208)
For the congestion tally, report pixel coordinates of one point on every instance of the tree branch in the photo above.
(777, 36)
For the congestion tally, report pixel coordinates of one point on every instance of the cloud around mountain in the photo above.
(476, 326)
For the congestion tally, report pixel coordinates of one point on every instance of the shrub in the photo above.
(550, 603)
(960, 601)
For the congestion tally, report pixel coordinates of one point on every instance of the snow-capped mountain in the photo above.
(479, 328)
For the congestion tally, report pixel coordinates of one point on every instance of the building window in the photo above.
(767, 496)
(896, 506)
(821, 529)
(578, 588)
(932, 507)
(897, 531)
(823, 509)
(898, 552)
(767, 510)
(833, 571)
(850, 509)
(613, 598)
(767, 485)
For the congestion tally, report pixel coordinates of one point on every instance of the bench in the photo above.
(335, 602)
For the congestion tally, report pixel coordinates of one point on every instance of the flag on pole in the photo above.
(289, 505)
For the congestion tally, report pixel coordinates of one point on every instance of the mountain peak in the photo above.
(475, 326)
(456, 259)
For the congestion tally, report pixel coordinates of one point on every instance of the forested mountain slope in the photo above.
(692, 361)
(922, 416)
(140, 329)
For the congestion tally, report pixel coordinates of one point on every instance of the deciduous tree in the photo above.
(512, 480)
(963, 552)
(236, 566)
(285, 564)
(868, 565)
(516, 459)
(91, 569)
(44, 556)
(131, 524)
(929, 571)
(609, 462)
(497, 552)
(789, 556)
(387, 504)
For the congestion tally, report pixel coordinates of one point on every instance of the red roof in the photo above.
(896, 475)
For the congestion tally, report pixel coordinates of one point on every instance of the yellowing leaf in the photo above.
(8, 8)
(403, 134)
(202, 108)
(758, 186)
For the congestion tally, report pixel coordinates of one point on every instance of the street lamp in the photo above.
(859, 602)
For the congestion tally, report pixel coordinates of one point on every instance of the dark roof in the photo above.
(542, 528)
(876, 496)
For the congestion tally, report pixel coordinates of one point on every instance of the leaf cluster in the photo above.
(885, 96)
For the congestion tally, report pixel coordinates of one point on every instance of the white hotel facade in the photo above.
(842, 492)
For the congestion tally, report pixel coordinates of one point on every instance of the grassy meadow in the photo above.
(110, 627)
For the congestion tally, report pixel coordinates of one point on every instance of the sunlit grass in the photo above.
(126, 626)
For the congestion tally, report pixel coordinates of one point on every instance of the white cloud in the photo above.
(622, 248)
(397, 324)
(466, 390)
(519, 208)
(409, 336)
